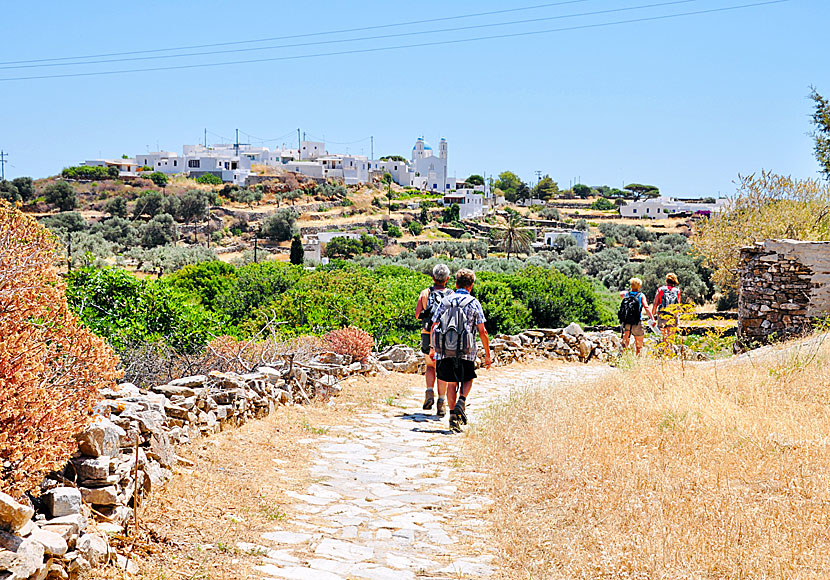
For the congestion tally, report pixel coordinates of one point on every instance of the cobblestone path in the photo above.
(384, 505)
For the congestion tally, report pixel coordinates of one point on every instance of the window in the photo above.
(175, 163)
(193, 163)
(635, 210)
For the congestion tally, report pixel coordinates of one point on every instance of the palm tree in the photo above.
(515, 237)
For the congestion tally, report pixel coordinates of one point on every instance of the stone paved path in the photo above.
(384, 506)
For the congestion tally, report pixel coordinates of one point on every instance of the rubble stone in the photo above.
(100, 438)
(13, 515)
(63, 501)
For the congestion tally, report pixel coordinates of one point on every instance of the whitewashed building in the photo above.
(470, 202)
(126, 167)
(579, 236)
(662, 207)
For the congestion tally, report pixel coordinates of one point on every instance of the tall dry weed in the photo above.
(51, 367)
(666, 472)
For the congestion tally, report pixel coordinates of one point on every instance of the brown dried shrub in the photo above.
(350, 341)
(51, 367)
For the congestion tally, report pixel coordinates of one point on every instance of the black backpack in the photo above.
(630, 311)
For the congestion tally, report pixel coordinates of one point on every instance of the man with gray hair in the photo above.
(428, 302)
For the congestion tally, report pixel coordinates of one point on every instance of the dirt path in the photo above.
(391, 499)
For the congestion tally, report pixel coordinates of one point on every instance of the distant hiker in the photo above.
(631, 315)
(428, 302)
(665, 307)
(453, 339)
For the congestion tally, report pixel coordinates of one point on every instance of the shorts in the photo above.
(446, 370)
(665, 320)
(634, 329)
(426, 343)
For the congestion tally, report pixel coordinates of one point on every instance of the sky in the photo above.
(686, 103)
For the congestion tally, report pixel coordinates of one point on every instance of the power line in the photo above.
(339, 142)
(358, 39)
(402, 46)
(306, 35)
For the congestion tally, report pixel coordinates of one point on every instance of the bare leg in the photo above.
(452, 395)
(638, 343)
(430, 377)
(626, 339)
(442, 387)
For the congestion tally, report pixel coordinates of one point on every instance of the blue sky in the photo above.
(684, 103)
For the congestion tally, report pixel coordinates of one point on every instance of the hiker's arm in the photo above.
(419, 308)
(658, 298)
(485, 343)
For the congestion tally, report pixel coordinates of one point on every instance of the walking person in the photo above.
(665, 307)
(631, 315)
(454, 323)
(428, 302)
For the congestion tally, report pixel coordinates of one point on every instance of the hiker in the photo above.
(631, 315)
(664, 308)
(454, 342)
(428, 302)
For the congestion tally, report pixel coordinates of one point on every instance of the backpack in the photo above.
(433, 300)
(631, 309)
(450, 336)
(670, 296)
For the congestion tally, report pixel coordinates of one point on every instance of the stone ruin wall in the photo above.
(784, 288)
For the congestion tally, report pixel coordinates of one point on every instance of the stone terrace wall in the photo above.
(785, 286)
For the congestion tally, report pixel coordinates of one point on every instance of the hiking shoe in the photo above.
(455, 422)
(440, 408)
(459, 411)
(429, 400)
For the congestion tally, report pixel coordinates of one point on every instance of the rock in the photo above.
(176, 411)
(55, 571)
(100, 438)
(78, 566)
(227, 380)
(93, 468)
(28, 555)
(574, 329)
(126, 564)
(172, 390)
(53, 544)
(63, 501)
(93, 548)
(13, 515)
(100, 495)
(396, 354)
(194, 381)
(161, 450)
(331, 358)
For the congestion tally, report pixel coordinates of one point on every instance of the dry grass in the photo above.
(236, 488)
(664, 471)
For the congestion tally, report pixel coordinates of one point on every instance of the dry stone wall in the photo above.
(784, 288)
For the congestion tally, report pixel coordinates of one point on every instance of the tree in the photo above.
(193, 207)
(766, 206)
(474, 180)
(582, 191)
(158, 231)
(25, 187)
(515, 238)
(9, 192)
(343, 248)
(638, 191)
(116, 207)
(581, 225)
(393, 158)
(52, 368)
(508, 182)
(68, 221)
(117, 230)
(424, 217)
(281, 225)
(370, 244)
(547, 188)
(523, 192)
(208, 179)
(821, 133)
(415, 228)
(603, 204)
(148, 204)
(387, 179)
(451, 213)
(249, 196)
(159, 178)
(62, 195)
(297, 255)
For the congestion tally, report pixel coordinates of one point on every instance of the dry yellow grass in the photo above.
(665, 471)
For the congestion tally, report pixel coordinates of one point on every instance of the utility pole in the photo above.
(538, 176)
(256, 237)
(236, 145)
(3, 161)
(373, 147)
(299, 142)
(205, 137)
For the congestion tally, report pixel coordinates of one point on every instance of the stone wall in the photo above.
(784, 288)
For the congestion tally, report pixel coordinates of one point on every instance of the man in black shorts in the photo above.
(428, 302)
(461, 369)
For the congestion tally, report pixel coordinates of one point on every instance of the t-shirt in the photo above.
(473, 311)
(423, 299)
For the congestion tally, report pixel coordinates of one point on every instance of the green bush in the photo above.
(394, 231)
(281, 226)
(415, 228)
(85, 172)
(504, 312)
(127, 311)
(159, 178)
(603, 204)
(62, 195)
(209, 179)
